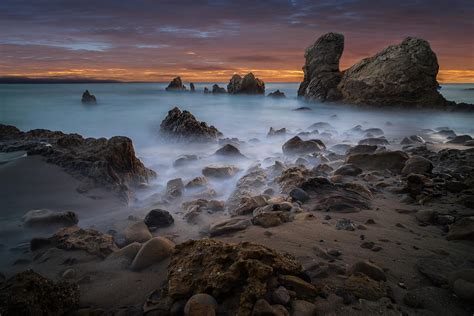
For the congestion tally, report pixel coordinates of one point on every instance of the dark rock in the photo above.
(184, 126)
(191, 87)
(176, 85)
(391, 160)
(460, 139)
(228, 226)
(277, 94)
(276, 132)
(217, 90)
(369, 269)
(48, 217)
(29, 293)
(158, 218)
(229, 151)
(206, 90)
(88, 98)
(417, 164)
(302, 108)
(413, 139)
(299, 195)
(362, 149)
(462, 229)
(374, 141)
(249, 84)
(183, 160)
(298, 146)
(348, 170)
(200, 304)
(321, 69)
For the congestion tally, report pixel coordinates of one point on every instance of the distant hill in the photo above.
(53, 80)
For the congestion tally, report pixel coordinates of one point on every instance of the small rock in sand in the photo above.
(138, 232)
(153, 251)
(229, 226)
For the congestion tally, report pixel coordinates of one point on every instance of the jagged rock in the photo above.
(321, 69)
(276, 132)
(391, 160)
(249, 204)
(184, 126)
(298, 146)
(158, 218)
(176, 85)
(88, 98)
(220, 171)
(250, 185)
(217, 90)
(198, 182)
(229, 151)
(249, 84)
(28, 293)
(153, 251)
(277, 94)
(191, 87)
(462, 229)
(228, 226)
(417, 164)
(49, 217)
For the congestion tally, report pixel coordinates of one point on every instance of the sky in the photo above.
(208, 41)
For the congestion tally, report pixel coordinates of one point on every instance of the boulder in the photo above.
(137, 232)
(174, 188)
(200, 305)
(363, 287)
(277, 94)
(321, 69)
(183, 126)
(129, 251)
(249, 84)
(229, 150)
(417, 164)
(220, 171)
(362, 149)
(462, 229)
(228, 226)
(158, 218)
(218, 90)
(196, 183)
(348, 170)
(413, 139)
(88, 98)
(49, 217)
(460, 139)
(296, 146)
(302, 308)
(391, 160)
(153, 251)
(299, 195)
(176, 85)
(28, 293)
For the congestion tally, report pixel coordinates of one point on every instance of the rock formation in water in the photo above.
(176, 85)
(400, 75)
(277, 94)
(109, 163)
(88, 98)
(249, 84)
(216, 89)
(191, 87)
(321, 69)
(183, 126)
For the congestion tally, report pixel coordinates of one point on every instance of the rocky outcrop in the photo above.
(176, 85)
(217, 90)
(191, 87)
(277, 94)
(88, 98)
(249, 84)
(106, 163)
(183, 126)
(321, 69)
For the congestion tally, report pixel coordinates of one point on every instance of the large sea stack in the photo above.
(400, 75)
(176, 85)
(249, 84)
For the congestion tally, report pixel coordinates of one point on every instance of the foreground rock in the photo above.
(158, 218)
(249, 84)
(183, 126)
(110, 164)
(87, 97)
(153, 251)
(237, 276)
(49, 217)
(29, 293)
(321, 69)
(176, 85)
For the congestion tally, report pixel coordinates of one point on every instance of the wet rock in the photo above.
(374, 141)
(49, 217)
(29, 293)
(218, 90)
(229, 151)
(413, 139)
(228, 226)
(87, 97)
(184, 160)
(137, 232)
(215, 205)
(276, 132)
(277, 94)
(270, 219)
(369, 269)
(220, 171)
(183, 126)
(417, 164)
(391, 160)
(158, 218)
(198, 182)
(192, 88)
(460, 139)
(200, 304)
(249, 84)
(299, 195)
(364, 287)
(174, 188)
(249, 204)
(176, 85)
(362, 149)
(321, 69)
(153, 251)
(462, 229)
(90, 240)
(348, 170)
(248, 186)
(129, 251)
(298, 146)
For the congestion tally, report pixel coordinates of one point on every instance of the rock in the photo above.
(218, 90)
(303, 108)
(412, 140)
(299, 195)
(48, 217)
(183, 126)
(348, 170)
(206, 90)
(302, 288)
(69, 274)
(277, 94)
(228, 226)
(464, 290)
(129, 251)
(362, 149)
(137, 232)
(276, 132)
(298, 146)
(426, 216)
(176, 85)
(249, 204)
(460, 139)
(374, 141)
(321, 126)
(158, 218)
(183, 160)
(153, 251)
(400, 75)
(29, 293)
(321, 69)
(302, 308)
(373, 132)
(436, 300)
(90, 240)
(391, 160)
(241, 271)
(281, 296)
(270, 219)
(200, 305)
(229, 151)
(191, 87)
(469, 143)
(174, 188)
(361, 286)
(369, 269)
(417, 164)
(345, 224)
(263, 308)
(215, 205)
(220, 171)
(462, 229)
(88, 98)
(436, 270)
(247, 85)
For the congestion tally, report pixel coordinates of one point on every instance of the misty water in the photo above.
(136, 111)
